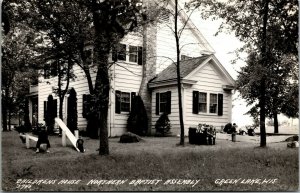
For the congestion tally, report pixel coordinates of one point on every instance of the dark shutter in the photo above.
(114, 55)
(132, 98)
(220, 104)
(45, 109)
(55, 107)
(140, 55)
(168, 110)
(157, 104)
(195, 102)
(118, 102)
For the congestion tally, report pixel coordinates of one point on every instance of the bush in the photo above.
(138, 121)
(49, 120)
(72, 111)
(163, 125)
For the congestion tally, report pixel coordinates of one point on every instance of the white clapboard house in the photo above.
(145, 68)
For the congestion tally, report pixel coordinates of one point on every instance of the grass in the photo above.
(155, 158)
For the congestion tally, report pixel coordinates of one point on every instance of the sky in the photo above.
(224, 45)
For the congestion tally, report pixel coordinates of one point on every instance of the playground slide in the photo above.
(69, 134)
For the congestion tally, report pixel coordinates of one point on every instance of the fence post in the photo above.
(27, 141)
(76, 134)
(64, 144)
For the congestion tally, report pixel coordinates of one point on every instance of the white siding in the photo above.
(211, 82)
(127, 78)
(166, 45)
(174, 115)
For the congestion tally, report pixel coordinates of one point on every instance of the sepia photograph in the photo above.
(149, 95)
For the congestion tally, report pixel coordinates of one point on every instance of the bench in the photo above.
(28, 138)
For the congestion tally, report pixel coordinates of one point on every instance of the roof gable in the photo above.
(188, 69)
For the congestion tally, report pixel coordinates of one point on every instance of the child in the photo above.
(42, 138)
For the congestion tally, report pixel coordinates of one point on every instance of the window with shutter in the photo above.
(123, 101)
(200, 101)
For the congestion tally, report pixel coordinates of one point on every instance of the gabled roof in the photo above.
(191, 26)
(188, 68)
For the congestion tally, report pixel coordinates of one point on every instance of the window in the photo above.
(122, 52)
(133, 54)
(163, 102)
(125, 101)
(50, 70)
(213, 103)
(202, 102)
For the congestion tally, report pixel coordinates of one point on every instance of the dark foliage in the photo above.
(163, 125)
(138, 121)
(72, 118)
(49, 118)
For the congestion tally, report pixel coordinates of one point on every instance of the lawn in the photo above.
(156, 164)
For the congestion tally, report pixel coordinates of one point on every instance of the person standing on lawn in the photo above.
(42, 138)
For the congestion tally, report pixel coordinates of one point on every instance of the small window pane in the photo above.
(163, 102)
(133, 54)
(122, 52)
(202, 102)
(125, 101)
(213, 103)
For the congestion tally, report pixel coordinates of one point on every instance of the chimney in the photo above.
(149, 64)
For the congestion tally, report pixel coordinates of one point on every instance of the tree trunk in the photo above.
(262, 102)
(61, 104)
(102, 84)
(178, 76)
(9, 119)
(275, 122)
(102, 101)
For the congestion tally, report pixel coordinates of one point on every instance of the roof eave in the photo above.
(170, 82)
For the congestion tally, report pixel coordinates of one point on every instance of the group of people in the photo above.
(232, 129)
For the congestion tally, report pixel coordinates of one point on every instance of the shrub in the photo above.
(163, 125)
(49, 120)
(72, 111)
(138, 121)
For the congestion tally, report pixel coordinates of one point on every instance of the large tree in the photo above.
(253, 23)
(107, 22)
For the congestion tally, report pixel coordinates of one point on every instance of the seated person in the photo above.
(42, 138)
